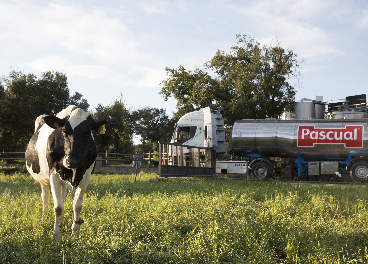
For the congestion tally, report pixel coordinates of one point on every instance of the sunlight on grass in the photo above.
(187, 220)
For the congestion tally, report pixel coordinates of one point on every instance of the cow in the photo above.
(62, 154)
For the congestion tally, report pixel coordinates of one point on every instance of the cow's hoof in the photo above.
(75, 230)
(56, 236)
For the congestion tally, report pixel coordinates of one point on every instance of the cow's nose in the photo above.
(72, 163)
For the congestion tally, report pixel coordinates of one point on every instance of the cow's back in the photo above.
(36, 160)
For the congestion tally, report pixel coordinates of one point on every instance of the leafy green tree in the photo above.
(192, 90)
(2, 113)
(249, 82)
(153, 125)
(119, 136)
(78, 101)
(25, 97)
(52, 87)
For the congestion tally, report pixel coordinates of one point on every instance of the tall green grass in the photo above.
(204, 220)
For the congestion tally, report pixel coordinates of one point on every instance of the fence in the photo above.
(121, 159)
(185, 161)
(8, 158)
(12, 157)
(182, 160)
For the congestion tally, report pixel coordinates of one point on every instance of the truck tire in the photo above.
(260, 170)
(359, 171)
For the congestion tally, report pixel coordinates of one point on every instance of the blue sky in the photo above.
(107, 48)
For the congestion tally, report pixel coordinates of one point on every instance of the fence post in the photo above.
(107, 157)
(159, 157)
(136, 170)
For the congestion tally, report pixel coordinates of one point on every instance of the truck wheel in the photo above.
(260, 170)
(359, 171)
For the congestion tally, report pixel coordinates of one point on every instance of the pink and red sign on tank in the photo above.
(350, 136)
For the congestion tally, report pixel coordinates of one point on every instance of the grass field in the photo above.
(203, 220)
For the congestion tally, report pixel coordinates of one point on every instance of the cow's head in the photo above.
(74, 134)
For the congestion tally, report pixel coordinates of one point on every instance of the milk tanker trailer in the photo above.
(308, 142)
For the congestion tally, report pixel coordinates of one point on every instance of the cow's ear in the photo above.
(54, 122)
(100, 126)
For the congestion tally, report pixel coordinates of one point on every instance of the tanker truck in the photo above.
(315, 139)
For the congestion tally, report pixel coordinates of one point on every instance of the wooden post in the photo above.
(159, 157)
(173, 159)
(107, 157)
(163, 150)
(136, 170)
(196, 157)
(183, 161)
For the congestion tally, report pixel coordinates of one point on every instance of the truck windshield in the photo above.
(186, 133)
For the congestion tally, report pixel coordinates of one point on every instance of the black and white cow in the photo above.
(61, 154)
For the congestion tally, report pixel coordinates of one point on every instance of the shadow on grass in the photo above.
(11, 170)
(121, 185)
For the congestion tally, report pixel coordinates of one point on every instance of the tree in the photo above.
(249, 82)
(192, 90)
(119, 137)
(23, 98)
(2, 112)
(153, 125)
(77, 100)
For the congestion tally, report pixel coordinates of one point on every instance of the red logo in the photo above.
(350, 136)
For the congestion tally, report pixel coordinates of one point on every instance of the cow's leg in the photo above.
(57, 191)
(64, 192)
(77, 208)
(45, 199)
(78, 201)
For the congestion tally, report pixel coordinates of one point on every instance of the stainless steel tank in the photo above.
(319, 110)
(325, 139)
(304, 110)
(309, 110)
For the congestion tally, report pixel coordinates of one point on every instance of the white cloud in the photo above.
(363, 19)
(300, 9)
(137, 76)
(291, 22)
(79, 42)
(150, 77)
(155, 8)
(49, 63)
(167, 8)
(94, 72)
(83, 32)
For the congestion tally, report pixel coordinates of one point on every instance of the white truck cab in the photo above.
(202, 128)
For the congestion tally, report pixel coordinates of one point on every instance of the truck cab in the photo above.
(202, 128)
